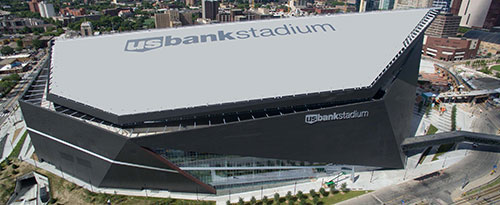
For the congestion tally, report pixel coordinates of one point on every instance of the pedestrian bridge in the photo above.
(448, 137)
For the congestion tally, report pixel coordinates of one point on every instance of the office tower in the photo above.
(480, 13)
(34, 6)
(386, 4)
(46, 10)
(210, 8)
(444, 25)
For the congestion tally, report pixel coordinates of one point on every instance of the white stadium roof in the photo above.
(230, 62)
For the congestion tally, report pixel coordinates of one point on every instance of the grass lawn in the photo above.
(341, 197)
(432, 130)
(441, 150)
(19, 146)
(496, 67)
(65, 192)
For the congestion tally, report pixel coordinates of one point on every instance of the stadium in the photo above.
(229, 106)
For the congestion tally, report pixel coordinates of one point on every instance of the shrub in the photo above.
(454, 118)
(265, 200)
(315, 200)
(253, 200)
(288, 195)
(241, 202)
(300, 195)
(228, 202)
(312, 192)
(344, 188)
(277, 198)
(323, 192)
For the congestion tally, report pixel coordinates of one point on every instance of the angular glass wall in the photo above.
(230, 171)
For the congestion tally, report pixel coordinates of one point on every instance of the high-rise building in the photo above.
(444, 25)
(162, 20)
(46, 10)
(455, 6)
(168, 19)
(210, 8)
(33, 4)
(86, 29)
(493, 16)
(480, 13)
(386, 4)
(186, 18)
(367, 5)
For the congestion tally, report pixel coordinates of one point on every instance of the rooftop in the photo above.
(166, 69)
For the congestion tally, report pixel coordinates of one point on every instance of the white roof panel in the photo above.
(236, 62)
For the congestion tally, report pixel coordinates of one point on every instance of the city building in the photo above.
(170, 18)
(451, 48)
(490, 41)
(480, 13)
(172, 109)
(210, 9)
(86, 29)
(444, 25)
(16, 25)
(455, 6)
(46, 10)
(368, 5)
(386, 4)
(191, 2)
(72, 12)
(123, 1)
(445, 5)
(408, 4)
(33, 5)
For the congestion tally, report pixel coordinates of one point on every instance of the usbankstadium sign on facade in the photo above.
(313, 118)
(208, 109)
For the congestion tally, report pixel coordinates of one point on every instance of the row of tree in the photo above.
(300, 197)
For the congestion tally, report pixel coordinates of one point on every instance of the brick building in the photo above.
(451, 48)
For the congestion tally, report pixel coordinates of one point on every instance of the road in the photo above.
(438, 189)
(435, 189)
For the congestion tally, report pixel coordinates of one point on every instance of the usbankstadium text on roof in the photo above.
(188, 109)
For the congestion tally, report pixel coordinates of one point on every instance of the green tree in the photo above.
(312, 192)
(241, 202)
(343, 187)
(288, 196)
(315, 200)
(228, 202)
(265, 200)
(37, 44)
(300, 195)
(323, 192)
(253, 200)
(19, 43)
(497, 74)
(277, 198)
(333, 190)
(7, 50)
